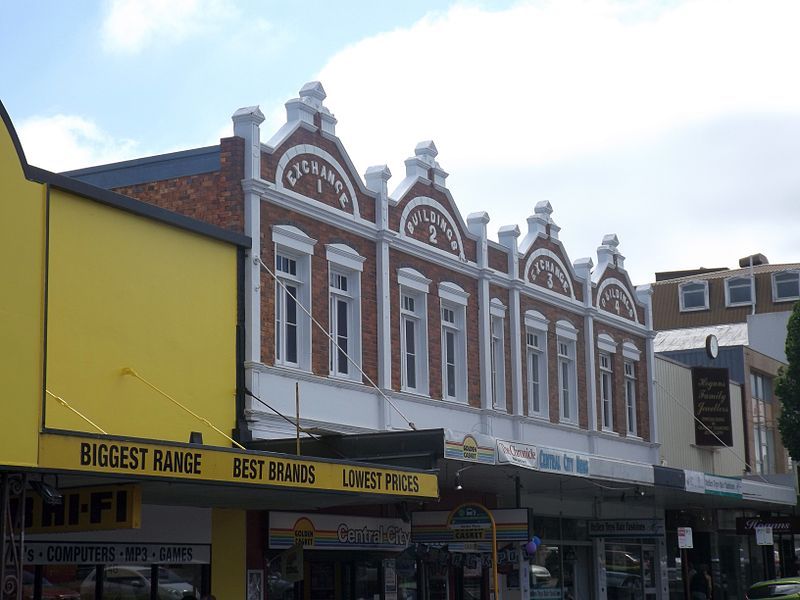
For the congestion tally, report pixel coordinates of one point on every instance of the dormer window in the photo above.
(693, 296)
(786, 286)
(738, 291)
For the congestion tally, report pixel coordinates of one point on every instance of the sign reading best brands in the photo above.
(97, 455)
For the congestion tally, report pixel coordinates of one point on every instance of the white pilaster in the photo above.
(476, 222)
(644, 293)
(583, 268)
(508, 237)
(246, 122)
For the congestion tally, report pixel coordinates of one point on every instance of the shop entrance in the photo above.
(630, 570)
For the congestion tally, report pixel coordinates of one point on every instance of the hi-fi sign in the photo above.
(86, 509)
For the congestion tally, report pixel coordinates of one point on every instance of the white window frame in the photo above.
(414, 285)
(536, 345)
(497, 321)
(566, 340)
(607, 349)
(453, 298)
(683, 307)
(737, 282)
(775, 276)
(292, 243)
(631, 357)
(344, 261)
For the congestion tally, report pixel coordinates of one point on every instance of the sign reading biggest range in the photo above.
(231, 466)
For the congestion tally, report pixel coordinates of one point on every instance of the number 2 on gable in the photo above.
(432, 238)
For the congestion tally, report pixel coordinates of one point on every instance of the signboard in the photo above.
(292, 563)
(521, 455)
(764, 536)
(748, 525)
(626, 528)
(432, 527)
(337, 532)
(86, 509)
(567, 463)
(426, 220)
(190, 463)
(470, 447)
(715, 485)
(685, 537)
(712, 407)
(94, 553)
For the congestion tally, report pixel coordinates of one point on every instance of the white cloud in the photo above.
(64, 142)
(131, 25)
(523, 103)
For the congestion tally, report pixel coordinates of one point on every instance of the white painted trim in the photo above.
(453, 293)
(568, 271)
(344, 256)
(497, 308)
(775, 286)
(566, 330)
(702, 282)
(606, 343)
(413, 279)
(631, 352)
(293, 238)
(621, 285)
(426, 201)
(749, 280)
(319, 153)
(536, 320)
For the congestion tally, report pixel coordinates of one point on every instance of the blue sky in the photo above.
(674, 124)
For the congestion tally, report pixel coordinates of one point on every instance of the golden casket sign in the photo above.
(203, 465)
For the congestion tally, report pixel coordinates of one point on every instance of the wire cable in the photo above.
(320, 439)
(338, 347)
(723, 444)
(66, 404)
(132, 373)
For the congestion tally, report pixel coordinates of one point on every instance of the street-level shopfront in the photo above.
(181, 529)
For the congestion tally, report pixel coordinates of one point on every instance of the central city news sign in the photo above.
(337, 532)
(133, 458)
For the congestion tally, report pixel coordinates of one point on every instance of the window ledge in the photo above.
(634, 437)
(609, 432)
(698, 309)
(792, 299)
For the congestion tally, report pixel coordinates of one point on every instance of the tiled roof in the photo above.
(732, 273)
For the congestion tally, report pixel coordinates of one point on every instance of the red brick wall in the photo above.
(436, 274)
(618, 392)
(320, 344)
(558, 251)
(552, 315)
(269, 162)
(498, 260)
(215, 198)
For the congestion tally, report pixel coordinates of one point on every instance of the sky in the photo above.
(674, 124)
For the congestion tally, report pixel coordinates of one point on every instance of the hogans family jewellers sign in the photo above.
(712, 407)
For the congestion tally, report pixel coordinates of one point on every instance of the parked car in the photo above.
(50, 591)
(133, 583)
(787, 588)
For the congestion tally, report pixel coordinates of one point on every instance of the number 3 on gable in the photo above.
(550, 281)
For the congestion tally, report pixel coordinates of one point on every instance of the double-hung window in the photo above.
(630, 396)
(566, 338)
(293, 250)
(497, 348)
(763, 428)
(607, 391)
(738, 291)
(630, 356)
(693, 295)
(413, 331)
(607, 348)
(344, 291)
(536, 363)
(786, 286)
(453, 305)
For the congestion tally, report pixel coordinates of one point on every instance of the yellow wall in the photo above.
(228, 553)
(21, 307)
(125, 291)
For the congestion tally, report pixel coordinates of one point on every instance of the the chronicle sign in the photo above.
(183, 462)
(712, 407)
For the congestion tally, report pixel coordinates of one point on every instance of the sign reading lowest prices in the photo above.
(99, 455)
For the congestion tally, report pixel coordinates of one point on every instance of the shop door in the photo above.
(649, 571)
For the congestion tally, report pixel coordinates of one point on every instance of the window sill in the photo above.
(610, 432)
(739, 305)
(414, 392)
(349, 378)
(698, 309)
(634, 437)
(793, 299)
